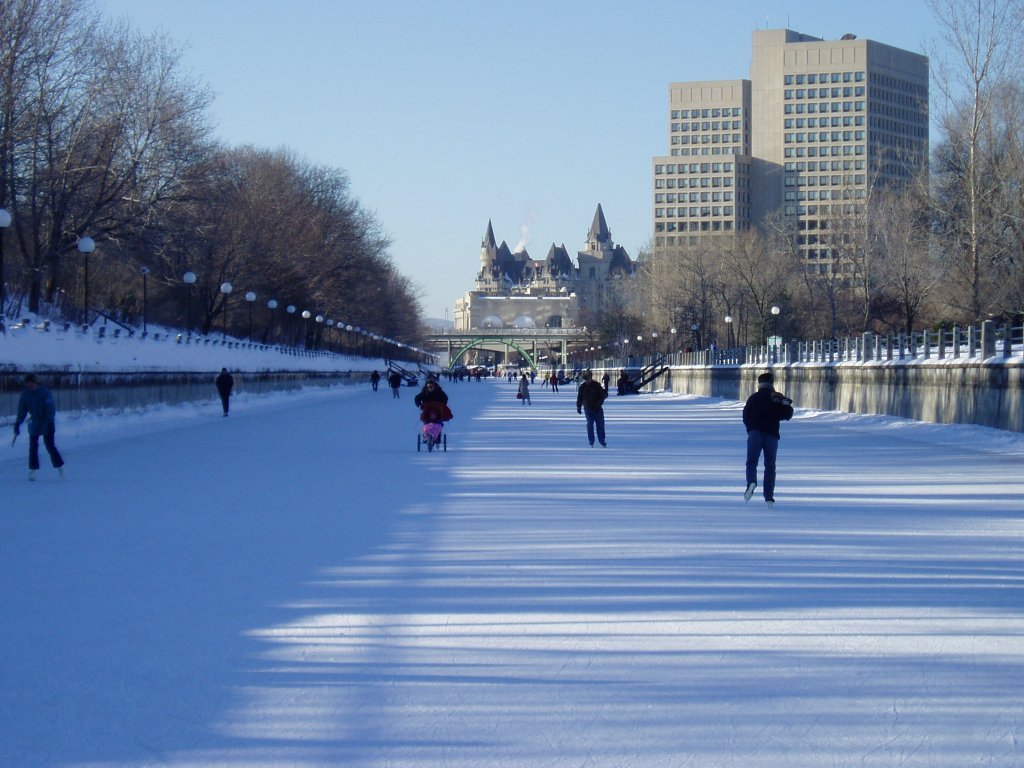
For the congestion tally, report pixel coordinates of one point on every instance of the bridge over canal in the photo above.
(538, 346)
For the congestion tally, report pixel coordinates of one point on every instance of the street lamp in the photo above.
(86, 245)
(5, 222)
(694, 327)
(728, 323)
(306, 314)
(250, 297)
(271, 305)
(226, 289)
(189, 279)
(145, 301)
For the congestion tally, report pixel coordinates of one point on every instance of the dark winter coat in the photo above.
(590, 395)
(426, 396)
(395, 380)
(225, 382)
(765, 409)
(39, 406)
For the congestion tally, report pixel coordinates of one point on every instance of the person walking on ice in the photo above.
(524, 390)
(37, 403)
(761, 416)
(225, 382)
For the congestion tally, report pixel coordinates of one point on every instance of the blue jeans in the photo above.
(758, 442)
(595, 420)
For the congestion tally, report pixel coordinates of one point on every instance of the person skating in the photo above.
(225, 382)
(590, 399)
(761, 416)
(374, 380)
(37, 403)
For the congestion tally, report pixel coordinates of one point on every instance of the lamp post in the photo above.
(86, 245)
(290, 309)
(189, 278)
(250, 297)
(226, 289)
(5, 222)
(271, 306)
(145, 301)
(774, 341)
(728, 324)
(694, 328)
(306, 314)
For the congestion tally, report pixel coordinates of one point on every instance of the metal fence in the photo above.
(983, 342)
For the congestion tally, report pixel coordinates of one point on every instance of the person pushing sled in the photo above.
(434, 412)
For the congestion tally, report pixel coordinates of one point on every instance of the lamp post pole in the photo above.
(145, 301)
(728, 323)
(271, 305)
(5, 222)
(250, 297)
(189, 278)
(226, 289)
(86, 245)
(306, 314)
(290, 309)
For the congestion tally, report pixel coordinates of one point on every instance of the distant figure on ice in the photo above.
(761, 416)
(523, 392)
(374, 380)
(225, 383)
(395, 381)
(37, 403)
(590, 402)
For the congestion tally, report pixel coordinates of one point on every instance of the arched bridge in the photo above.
(525, 341)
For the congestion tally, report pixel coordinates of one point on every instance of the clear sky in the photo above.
(453, 113)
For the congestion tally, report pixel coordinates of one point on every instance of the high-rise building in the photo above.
(819, 124)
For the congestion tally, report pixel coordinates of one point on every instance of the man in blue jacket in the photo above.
(761, 416)
(36, 402)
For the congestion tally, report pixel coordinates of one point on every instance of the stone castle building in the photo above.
(513, 290)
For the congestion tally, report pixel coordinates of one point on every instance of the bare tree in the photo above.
(983, 39)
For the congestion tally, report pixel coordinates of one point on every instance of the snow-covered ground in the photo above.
(296, 585)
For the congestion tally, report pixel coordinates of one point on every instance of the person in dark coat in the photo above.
(431, 393)
(225, 383)
(762, 413)
(374, 380)
(37, 403)
(590, 399)
(395, 382)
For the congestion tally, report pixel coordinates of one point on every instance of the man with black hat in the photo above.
(37, 403)
(761, 416)
(590, 399)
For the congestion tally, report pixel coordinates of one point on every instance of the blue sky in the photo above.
(453, 113)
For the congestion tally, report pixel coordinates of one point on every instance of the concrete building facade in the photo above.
(815, 128)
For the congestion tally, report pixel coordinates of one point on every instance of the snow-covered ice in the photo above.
(296, 586)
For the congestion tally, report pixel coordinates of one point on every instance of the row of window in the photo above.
(715, 225)
(835, 180)
(694, 197)
(822, 107)
(826, 165)
(834, 150)
(703, 151)
(693, 211)
(826, 194)
(684, 168)
(716, 125)
(846, 209)
(694, 181)
(839, 121)
(709, 138)
(801, 137)
(824, 77)
(690, 114)
(823, 93)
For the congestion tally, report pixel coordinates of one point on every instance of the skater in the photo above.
(554, 381)
(395, 381)
(225, 382)
(524, 390)
(604, 380)
(374, 380)
(761, 416)
(590, 402)
(37, 403)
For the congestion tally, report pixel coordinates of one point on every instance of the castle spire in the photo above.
(599, 228)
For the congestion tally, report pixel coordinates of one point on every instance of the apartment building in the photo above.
(816, 127)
